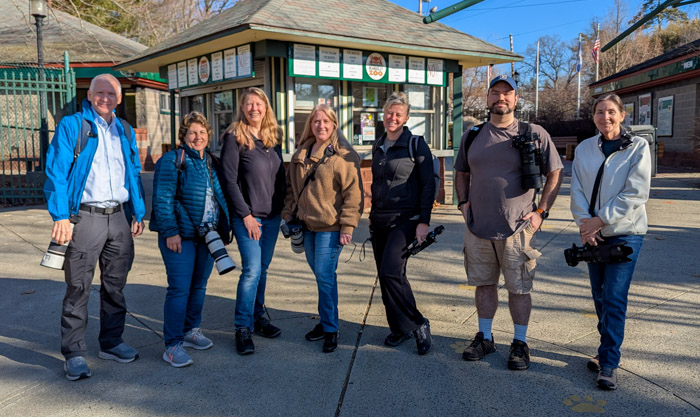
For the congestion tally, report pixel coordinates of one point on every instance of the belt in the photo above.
(101, 210)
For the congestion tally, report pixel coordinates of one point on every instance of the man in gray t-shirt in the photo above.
(502, 219)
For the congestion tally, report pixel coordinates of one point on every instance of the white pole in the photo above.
(597, 60)
(578, 96)
(420, 7)
(512, 64)
(537, 80)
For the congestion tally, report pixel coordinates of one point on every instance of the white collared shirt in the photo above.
(105, 182)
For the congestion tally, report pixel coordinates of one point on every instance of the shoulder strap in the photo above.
(471, 135)
(85, 133)
(312, 174)
(413, 147)
(596, 186)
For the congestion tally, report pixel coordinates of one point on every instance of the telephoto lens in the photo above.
(297, 238)
(224, 263)
(55, 255)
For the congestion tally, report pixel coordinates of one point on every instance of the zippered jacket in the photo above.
(400, 185)
(178, 212)
(624, 187)
(65, 180)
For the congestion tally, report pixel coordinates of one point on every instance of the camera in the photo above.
(55, 255)
(223, 262)
(414, 247)
(530, 158)
(606, 253)
(294, 230)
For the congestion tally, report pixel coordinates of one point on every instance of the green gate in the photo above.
(23, 91)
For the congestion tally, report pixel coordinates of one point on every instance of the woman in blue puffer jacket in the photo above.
(187, 202)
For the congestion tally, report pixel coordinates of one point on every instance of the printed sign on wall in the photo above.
(218, 66)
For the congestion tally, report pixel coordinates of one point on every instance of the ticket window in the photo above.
(308, 92)
(423, 109)
(224, 105)
(368, 99)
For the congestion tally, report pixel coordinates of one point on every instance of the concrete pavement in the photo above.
(289, 376)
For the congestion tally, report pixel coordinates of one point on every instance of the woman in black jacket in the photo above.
(403, 188)
(255, 187)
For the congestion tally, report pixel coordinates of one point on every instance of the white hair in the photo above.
(109, 77)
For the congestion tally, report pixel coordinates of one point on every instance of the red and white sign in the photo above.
(375, 66)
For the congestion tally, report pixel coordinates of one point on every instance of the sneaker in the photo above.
(196, 340)
(607, 379)
(423, 338)
(594, 365)
(176, 356)
(478, 348)
(76, 368)
(244, 342)
(264, 328)
(316, 333)
(395, 339)
(121, 353)
(519, 358)
(330, 342)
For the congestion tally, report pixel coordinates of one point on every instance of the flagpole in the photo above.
(598, 57)
(537, 80)
(578, 96)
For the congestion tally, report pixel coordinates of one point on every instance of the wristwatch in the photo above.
(543, 213)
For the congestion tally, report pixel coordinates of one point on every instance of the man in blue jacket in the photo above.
(95, 198)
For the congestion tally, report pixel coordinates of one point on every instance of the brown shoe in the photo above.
(607, 379)
(594, 365)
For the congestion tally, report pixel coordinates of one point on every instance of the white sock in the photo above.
(520, 332)
(485, 327)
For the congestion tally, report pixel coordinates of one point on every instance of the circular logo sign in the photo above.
(375, 66)
(204, 69)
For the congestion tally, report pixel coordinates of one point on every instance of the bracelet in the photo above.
(461, 203)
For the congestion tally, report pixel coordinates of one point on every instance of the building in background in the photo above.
(664, 92)
(348, 54)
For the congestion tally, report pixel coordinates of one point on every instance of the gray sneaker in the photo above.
(121, 353)
(76, 368)
(176, 356)
(196, 340)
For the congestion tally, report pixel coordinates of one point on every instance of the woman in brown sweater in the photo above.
(324, 193)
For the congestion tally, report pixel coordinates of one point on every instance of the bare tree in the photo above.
(145, 21)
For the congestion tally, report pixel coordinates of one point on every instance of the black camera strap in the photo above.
(329, 151)
(596, 187)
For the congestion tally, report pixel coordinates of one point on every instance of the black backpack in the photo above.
(523, 129)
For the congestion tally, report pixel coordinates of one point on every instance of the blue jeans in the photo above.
(188, 273)
(322, 252)
(256, 256)
(610, 284)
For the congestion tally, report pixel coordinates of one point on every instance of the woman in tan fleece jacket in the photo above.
(328, 204)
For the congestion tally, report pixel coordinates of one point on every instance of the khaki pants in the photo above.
(485, 259)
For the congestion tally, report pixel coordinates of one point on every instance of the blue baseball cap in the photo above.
(504, 78)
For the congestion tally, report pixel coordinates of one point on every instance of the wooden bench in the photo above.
(565, 145)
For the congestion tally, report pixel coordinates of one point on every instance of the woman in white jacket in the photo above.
(616, 214)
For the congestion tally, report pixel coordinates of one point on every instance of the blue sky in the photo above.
(527, 20)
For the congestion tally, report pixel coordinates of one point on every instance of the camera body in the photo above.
(294, 230)
(224, 263)
(530, 158)
(606, 253)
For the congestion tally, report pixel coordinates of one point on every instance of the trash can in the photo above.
(648, 132)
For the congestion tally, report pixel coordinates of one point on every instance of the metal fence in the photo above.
(24, 133)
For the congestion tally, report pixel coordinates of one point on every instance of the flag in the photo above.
(596, 48)
(579, 60)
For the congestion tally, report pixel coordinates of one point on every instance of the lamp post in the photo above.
(39, 9)
(516, 77)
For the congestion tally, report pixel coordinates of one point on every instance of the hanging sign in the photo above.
(352, 65)
(226, 65)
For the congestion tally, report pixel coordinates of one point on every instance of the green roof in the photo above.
(378, 24)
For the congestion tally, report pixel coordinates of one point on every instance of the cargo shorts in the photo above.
(485, 259)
